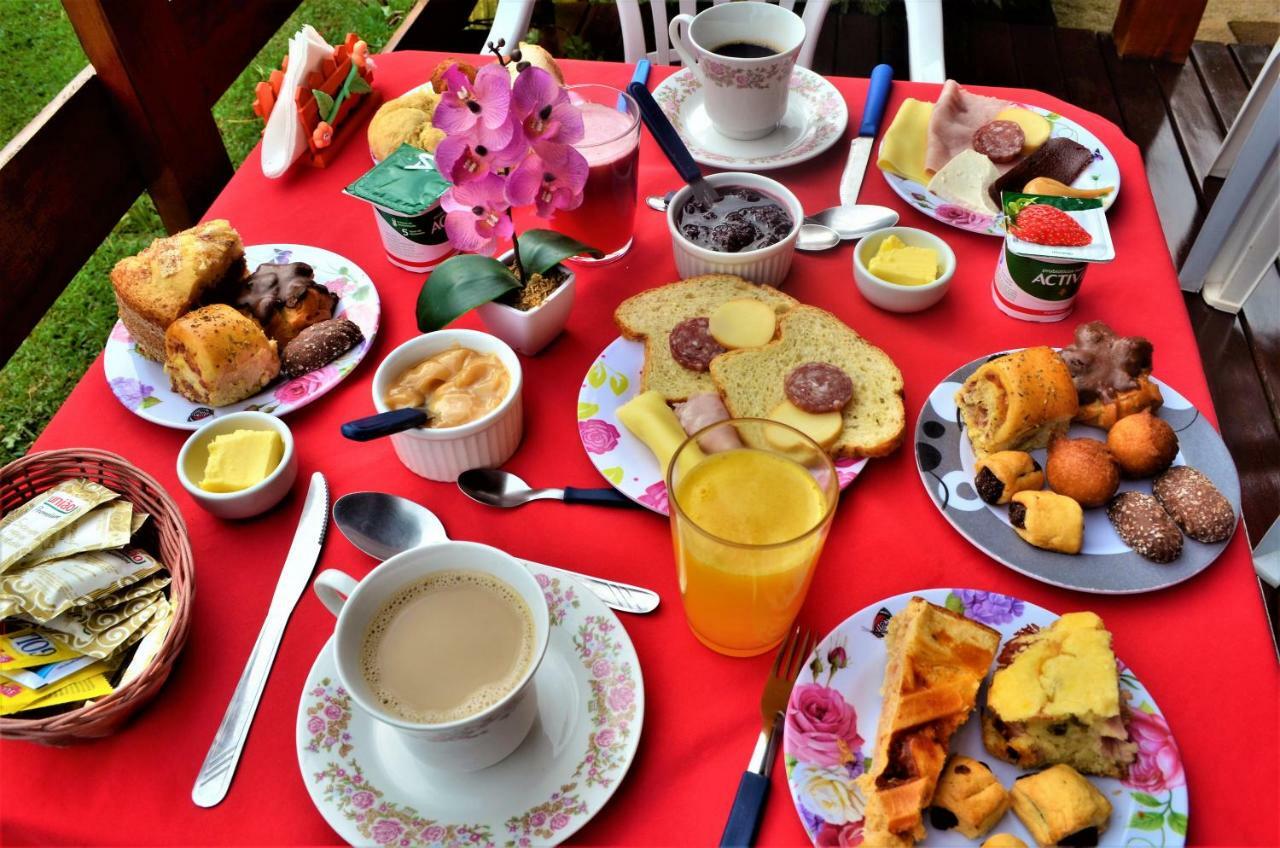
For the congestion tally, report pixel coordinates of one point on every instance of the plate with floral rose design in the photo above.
(1105, 564)
(815, 119)
(621, 458)
(143, 387)
(830, 730)
(1101, 171)
(590, 713)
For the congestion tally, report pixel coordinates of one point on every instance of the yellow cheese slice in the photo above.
(902, 150)
(651, 421)
(743, 323)
(1035, 127)
(823, 427)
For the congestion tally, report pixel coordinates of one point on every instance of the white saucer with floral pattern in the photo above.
(590, 712)
(831, 722)
(142, 386)
(815, 119)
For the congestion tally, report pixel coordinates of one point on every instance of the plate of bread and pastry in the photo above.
(955, 717)
(708, 348)
(952, 158)
(209, 326)
(1078, 467)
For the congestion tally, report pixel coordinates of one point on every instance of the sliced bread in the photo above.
(751, 380)
(651, 315)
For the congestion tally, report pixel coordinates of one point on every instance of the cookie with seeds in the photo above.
(1142, 524)
(1195, 504)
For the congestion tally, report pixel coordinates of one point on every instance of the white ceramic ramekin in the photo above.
(442, 454)
(891, 296)
(245, 503)
(766, 265)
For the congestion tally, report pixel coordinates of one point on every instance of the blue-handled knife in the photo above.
(860, 148)
(641, 76)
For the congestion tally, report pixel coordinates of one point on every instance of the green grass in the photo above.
(40, 55)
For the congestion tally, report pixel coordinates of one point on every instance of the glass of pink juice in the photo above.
(611, 145)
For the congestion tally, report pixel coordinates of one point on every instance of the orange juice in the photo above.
(748, 526)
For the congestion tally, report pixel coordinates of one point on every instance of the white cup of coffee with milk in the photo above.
(742, 54)
(441, 644)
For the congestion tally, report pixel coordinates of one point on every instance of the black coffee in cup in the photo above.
(745, 50)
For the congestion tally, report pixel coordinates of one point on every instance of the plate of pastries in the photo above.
(1077, 467)
(964, 717)
(209, 326)
(709, 348)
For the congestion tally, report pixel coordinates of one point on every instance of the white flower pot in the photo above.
(531, 331)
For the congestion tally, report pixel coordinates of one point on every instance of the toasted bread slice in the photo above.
(751, 380)
(651, 315)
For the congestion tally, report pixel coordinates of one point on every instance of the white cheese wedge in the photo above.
(965, 181)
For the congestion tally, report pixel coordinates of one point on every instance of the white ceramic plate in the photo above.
(590, 713)
(815, 119)
(1102, 171)
(830, 731)
(623, 460)
(142, 386)
(1105, 565)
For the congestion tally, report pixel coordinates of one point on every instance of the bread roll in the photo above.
(1017, 401)
(216, 356)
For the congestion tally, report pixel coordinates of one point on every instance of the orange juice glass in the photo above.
(748, 524)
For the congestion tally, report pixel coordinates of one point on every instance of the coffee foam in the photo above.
(480, 699)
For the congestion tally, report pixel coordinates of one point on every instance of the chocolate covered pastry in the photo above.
(1111, 373)
(285, 299)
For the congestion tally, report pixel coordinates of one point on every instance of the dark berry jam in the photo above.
(742, 219)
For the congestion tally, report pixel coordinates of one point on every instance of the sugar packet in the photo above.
(154, 633)
(100, 633)
(29, 647)
(107, 526)
(29, 526)
(147, 586)
(46, 675)
(47, 590)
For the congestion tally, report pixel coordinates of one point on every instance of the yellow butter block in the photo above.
(902, 151)
(649, 418)
(241, 459)
(896, 262)
(1035, 127)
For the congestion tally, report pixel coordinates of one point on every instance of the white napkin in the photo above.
(283, 141)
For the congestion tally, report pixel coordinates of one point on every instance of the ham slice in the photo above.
(956, 117)
(703, 410)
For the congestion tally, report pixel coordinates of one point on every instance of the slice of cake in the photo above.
(171, 277)
(937, 659)
(1055, 698)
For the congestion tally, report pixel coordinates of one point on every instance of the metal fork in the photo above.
(748, 804)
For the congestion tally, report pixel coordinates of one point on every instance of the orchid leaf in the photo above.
(459, 285)
(542, 250)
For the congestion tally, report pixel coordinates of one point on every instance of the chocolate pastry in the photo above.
(969, 798)
(1001, 475)
(1060, 807)
(285, 299)
(1082, 469)
(318, 345)
(1047, 520)
(1195, 504)
(1059, 159)
(1111, 374)
(1142, 524)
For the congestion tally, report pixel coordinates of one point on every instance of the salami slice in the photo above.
(818, 387)
(692, 344)
(1001, 141)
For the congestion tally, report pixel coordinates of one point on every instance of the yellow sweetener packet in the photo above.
(28, 647)
(14, 697)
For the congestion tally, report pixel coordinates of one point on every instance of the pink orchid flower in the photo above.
(552, 178)
(542, 109)
(461, 161)
(481, 111)
(476, 215)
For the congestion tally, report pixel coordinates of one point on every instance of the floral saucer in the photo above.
(815, 119)
(1102, 171)
(623, 460)
(831, 728)
(142, 386)
(590, 712)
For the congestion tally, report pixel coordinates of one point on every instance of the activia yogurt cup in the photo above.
(404, 191)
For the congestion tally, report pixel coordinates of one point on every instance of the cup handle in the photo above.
(685, 50)
(333, 587)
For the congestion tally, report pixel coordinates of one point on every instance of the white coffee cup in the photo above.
(745, 98)
(467, 744)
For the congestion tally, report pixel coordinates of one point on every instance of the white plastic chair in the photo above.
(510, 22)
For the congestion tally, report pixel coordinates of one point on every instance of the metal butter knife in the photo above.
(860, 147)
(220, 765)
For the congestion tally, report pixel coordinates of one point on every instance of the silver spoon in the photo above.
(383, 525)
(853, 222)
(813, 236)
(495, 487)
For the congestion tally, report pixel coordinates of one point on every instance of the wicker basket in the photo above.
(165, 535)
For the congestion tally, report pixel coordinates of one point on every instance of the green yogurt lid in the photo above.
(406, 182)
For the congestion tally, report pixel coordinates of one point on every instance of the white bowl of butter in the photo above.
(239, 465)
(903, 269)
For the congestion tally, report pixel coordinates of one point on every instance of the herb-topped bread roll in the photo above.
(1017, 401)
(217, 356)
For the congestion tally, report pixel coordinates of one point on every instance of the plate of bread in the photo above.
(713, 347)
(1077, 467)
(208, 326)
(966, 717)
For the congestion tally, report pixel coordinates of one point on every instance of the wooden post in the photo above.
(144, 60)
(1157, 29)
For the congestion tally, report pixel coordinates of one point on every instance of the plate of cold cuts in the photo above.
(951, 159)
(620, 457)
(1144, 505)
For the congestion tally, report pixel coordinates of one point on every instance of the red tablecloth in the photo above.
(1201, 648)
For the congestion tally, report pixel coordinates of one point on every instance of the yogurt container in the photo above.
(404, 191)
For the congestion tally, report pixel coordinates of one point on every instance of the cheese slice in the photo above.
(903, 148)
(965, 181)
